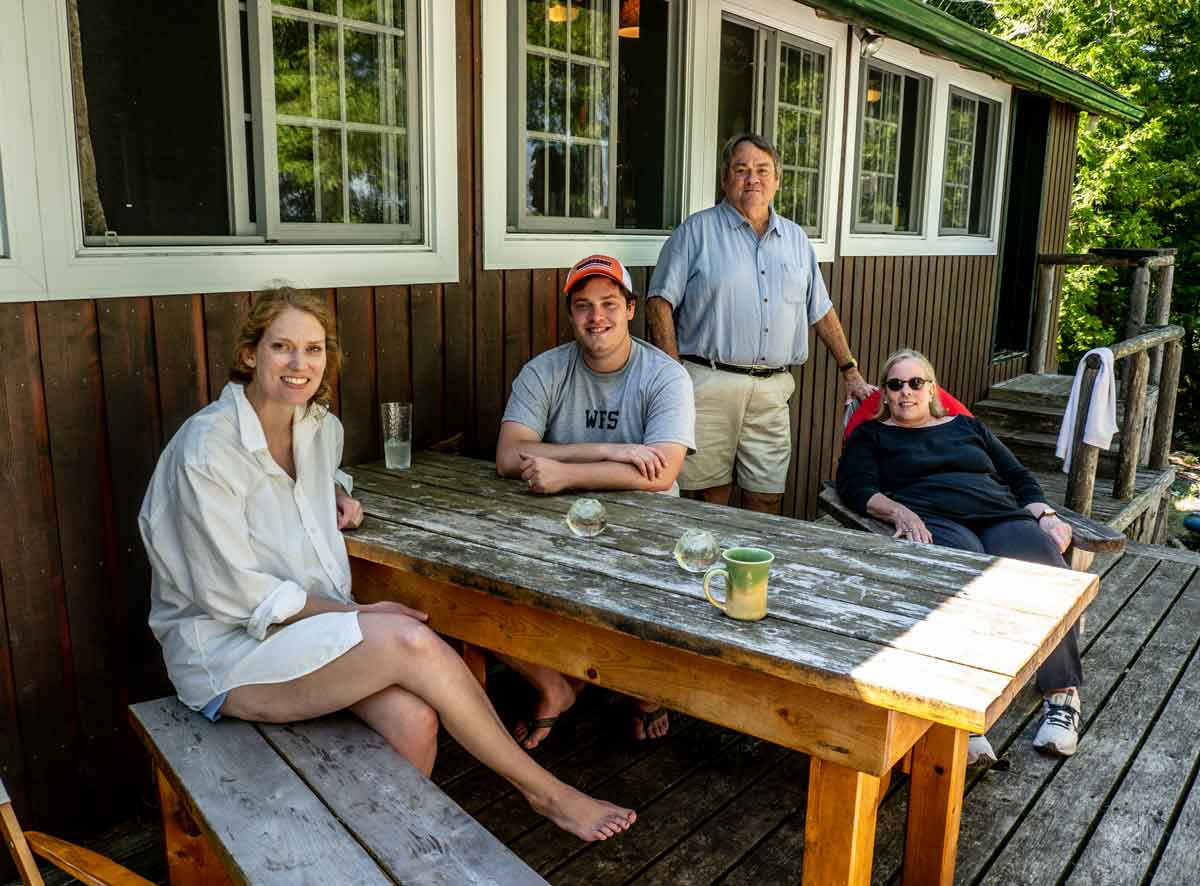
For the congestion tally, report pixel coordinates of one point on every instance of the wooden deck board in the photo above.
(1149, 488)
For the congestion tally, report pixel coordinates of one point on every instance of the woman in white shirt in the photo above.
(250, 596)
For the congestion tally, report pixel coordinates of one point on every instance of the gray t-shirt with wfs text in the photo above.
(648, 400)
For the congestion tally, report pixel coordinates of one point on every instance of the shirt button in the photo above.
(764, 301)
(767, 329)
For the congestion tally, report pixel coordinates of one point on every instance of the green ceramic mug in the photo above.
(746, 571)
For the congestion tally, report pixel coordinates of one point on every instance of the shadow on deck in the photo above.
(718, 807)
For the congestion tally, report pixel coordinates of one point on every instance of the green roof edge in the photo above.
(939, 32)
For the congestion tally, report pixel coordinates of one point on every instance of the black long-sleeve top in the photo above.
(957, 470)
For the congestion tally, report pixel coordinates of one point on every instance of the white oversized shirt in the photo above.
(236, 546)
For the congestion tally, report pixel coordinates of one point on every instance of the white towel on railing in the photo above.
(1101, 421)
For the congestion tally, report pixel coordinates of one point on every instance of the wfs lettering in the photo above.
(602, 418)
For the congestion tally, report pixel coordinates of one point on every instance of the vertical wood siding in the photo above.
(90, 392)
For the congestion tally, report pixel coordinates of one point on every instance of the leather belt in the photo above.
(752, 371)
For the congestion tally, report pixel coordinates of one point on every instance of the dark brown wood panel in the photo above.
(135, 439)
(429, 394)
(75, 411)
(490, 392)
(359, 387)
(223, 317)
(34, 600)
(393, 344)
(180, 359)
(518, 314)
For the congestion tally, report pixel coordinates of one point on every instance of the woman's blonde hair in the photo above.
(936, 409)
(266, 309)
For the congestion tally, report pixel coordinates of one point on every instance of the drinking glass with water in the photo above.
(396, 422)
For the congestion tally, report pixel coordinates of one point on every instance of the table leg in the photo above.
(475, 658)
(939, 771)
(190, 857)
(839, 832)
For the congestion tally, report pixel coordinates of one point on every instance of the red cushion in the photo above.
(868, 407)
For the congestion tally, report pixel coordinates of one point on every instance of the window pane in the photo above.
(297, 180)
(151, 76)
(967, 179)
(327, 7)
(557, 16)
(557, 117)
(372, 85)
(589, 25)
(799, 132)
(535, 94)
(374, 176)
(891, 152)
(535, 22)
(293, 79)
(379, 12)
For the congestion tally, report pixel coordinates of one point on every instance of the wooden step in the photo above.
(1036, 451)
(1010, 415)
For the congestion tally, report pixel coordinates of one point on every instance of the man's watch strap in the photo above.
(1048, 512)
(848, 365)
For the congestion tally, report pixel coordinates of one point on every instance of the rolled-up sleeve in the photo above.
(818, 296)
(201, 543)
(674, 266)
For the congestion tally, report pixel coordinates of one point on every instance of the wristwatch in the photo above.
(1048, 512)
(847, 366)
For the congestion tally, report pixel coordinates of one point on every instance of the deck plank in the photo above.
(1080, 785)
(1138, 816)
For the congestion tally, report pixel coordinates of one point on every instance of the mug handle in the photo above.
(708, 576)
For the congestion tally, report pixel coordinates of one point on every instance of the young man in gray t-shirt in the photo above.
(605, 411)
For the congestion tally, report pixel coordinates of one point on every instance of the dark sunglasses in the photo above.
(897, 384)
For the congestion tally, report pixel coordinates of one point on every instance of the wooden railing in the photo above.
(1081, 480)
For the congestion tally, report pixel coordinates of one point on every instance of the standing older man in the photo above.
(733, 295)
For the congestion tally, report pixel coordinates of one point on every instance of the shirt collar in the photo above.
(736, 220)
(250, 429)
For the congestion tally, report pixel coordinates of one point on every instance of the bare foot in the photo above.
(586, 817)
(555, 699)
(650, 720)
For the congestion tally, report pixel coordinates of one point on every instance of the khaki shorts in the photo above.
(741, 421)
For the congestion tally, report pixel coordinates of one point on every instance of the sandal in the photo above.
(532, 726)
(648, 719)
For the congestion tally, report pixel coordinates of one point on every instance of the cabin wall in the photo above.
(91, 390)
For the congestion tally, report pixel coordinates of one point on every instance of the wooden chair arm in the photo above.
(1089, 535)
(831, 503)
(82, 864)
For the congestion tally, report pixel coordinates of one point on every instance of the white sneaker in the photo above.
(1059, 732)
(979, 750)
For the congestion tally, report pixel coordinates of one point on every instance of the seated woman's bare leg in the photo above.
(409, 724)
(400, 651)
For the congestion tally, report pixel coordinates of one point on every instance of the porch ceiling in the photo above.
(943, 35)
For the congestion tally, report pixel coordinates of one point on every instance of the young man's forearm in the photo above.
(509, 458)
(602, 475)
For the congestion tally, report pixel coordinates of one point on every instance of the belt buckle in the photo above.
(761, 372)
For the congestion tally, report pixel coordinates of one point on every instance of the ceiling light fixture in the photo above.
(629, 24)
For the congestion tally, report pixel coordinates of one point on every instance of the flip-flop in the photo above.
(649, 718)
(533, 726)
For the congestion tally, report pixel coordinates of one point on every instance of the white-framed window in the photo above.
(970, 164)
(911, 180)
(777, 84)
(640, 187)
(583, 128)
(22, 269)
(309, 140)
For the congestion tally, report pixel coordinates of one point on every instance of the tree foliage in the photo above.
(1135, 185)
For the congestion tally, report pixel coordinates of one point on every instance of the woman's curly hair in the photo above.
(268, 305)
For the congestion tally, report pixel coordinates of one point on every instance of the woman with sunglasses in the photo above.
(947, 480)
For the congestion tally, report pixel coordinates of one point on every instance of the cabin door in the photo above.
(1022, 224)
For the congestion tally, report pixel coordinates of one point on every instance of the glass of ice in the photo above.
(587, 517)
(396, 422)
(696, 550)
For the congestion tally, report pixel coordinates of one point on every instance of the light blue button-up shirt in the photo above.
(738, 298)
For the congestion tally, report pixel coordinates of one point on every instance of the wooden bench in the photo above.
(321, 802)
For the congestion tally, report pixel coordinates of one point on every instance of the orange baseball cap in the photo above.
(599, 266)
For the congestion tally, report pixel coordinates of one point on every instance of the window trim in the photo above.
(74, 270)
(22, 264)
(944, 74)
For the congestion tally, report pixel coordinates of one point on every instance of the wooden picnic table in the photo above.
(872, 647)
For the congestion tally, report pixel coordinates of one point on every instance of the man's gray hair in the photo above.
(755, 139)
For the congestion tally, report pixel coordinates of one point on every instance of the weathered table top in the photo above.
(942, 635)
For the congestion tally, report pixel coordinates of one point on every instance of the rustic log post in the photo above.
(1164, 417)
(1041, 326)
(1081, 478)
(1131, 429)
(1160, 315)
